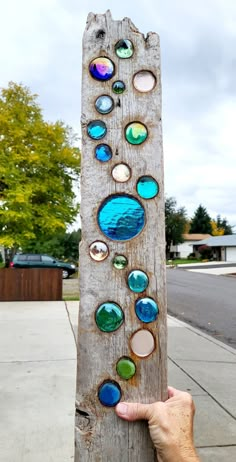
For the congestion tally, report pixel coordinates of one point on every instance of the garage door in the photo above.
(231, 254)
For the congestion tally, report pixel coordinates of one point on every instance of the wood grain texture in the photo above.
(99, 434)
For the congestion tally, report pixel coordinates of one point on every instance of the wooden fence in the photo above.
(30, 284)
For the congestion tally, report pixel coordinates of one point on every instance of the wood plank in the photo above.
(99, 434)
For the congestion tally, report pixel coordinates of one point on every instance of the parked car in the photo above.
(42, 261)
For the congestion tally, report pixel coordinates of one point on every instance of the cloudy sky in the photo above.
(40, 45)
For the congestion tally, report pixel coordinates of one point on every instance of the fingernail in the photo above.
(122, 408)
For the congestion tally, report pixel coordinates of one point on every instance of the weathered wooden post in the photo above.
(122, 321)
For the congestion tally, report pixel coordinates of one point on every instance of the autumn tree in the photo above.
(175, 223)
(201, 221)
(38, 164)
(223, 225)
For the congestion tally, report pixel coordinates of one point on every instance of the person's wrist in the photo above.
(177, 454)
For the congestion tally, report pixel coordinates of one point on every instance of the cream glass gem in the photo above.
(142, 343)
(121, 173)
(144, 81)
(98, 251)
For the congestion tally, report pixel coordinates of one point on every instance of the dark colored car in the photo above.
(42, 261)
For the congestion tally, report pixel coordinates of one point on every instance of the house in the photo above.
(183, 250)
(223, 247)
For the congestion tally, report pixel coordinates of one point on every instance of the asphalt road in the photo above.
(205, 301)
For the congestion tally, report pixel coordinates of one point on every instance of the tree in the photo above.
(175, 223)
(216, 230)
(38, 165)
(201, 221)
(222, 223)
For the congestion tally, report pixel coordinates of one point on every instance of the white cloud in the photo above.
(41, 46)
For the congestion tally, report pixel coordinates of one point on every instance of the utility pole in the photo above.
(122, 334)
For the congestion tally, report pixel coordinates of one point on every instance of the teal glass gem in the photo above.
(103, 152)
(104, 104)
(96, 129)
(121, 217)
(125, 368)
(102, 68)
(137, 281)
(109, 393)
(147, 187)
(146, 309)
(136, 133)
(120, 262)
(118, 87)
(109, 317)
(124, 49)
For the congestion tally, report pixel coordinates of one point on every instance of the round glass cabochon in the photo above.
(125, 368)
(147, 187)
(121, 217)
(118, 87)
(124, 49)
(98, 251)
(137, 281)
(146, 309)
(96, 129)
(144, 81)
(120, 262)
(109, 317)
(103, 152)
(136, 133)
(104, 104)
(109, 393)
(142, 343)
(121, 173)
(102, 68)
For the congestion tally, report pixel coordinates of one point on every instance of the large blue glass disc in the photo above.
(146, 309)
(137, 281)
(109, 393)
(103, 152)
(121, 217)
(147, 187)
(96, 129)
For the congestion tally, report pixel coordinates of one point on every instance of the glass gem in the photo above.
(98, 251)
(137, 281)
(136, 133)
(96, 129)
(146, 309)
(144, 81)
(147, 187)
(121, 173)
(124, 48)
(120, 262)
(102, 68)
(104, 104)
(118, 87)
(109, 393)
(125, 368)
(142, 343)
(103, 152)
(121, 217)
(109, 317)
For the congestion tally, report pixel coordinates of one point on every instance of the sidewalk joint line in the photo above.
(37, 361)
(68, 314)
(204, 389)
(218, 446)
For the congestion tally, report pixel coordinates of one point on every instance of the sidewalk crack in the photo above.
(71, 325)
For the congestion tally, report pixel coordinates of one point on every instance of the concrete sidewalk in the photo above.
(37, 383)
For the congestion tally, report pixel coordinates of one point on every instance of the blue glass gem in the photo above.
(146, 309)
(103, 152)
(104, 104)
(121, 217)
(109, 393)
(102, 68)
(96, 129)
(147, 187)
(109, 317)
(137, 281)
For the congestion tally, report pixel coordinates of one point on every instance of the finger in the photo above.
(173, 392)
(134, 411)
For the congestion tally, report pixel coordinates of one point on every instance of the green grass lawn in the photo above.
(182, 261)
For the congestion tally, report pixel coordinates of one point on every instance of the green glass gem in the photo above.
(125, 368)
(118, 87)
(120, 262)
(136, 133)
(109, 317)
(124, 49)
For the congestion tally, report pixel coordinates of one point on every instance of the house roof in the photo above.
(219, 241)
(195, 237)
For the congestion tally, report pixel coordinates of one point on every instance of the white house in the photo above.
(223, 247)
(184, 249)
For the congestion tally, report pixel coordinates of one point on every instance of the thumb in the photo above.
(134, 411)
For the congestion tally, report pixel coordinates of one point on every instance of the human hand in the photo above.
(170, 425)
